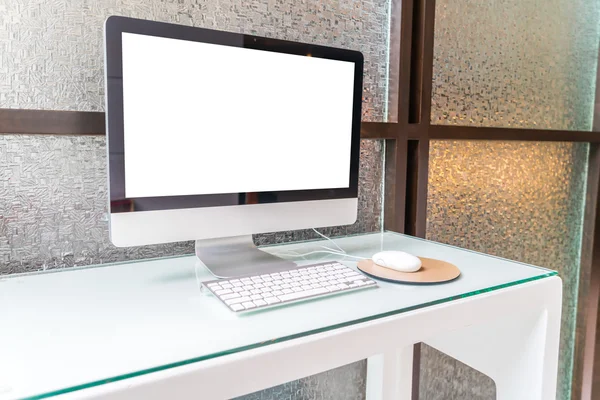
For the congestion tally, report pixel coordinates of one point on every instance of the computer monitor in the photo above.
(214, 136)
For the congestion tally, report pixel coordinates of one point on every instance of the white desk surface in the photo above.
(77, 328)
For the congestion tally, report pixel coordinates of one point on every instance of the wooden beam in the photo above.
(51, 122)
(93, 123)
(379, 130)
(416, 188)
(422, 62)
(404, 54)
(455, 132)
(394, 201)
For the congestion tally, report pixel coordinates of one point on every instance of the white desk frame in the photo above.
(510, 334)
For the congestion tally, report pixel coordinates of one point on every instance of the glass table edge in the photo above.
(194, 360)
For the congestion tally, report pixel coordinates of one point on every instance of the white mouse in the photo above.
(397, 260)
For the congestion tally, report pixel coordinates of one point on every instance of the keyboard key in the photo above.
(286, 291)
(215, 288)
(256, 291)
(332, 288)
(237, 289)
(237, 284)
(245, 293)
(246, 280)
(234, 281)
(286, 286)
(248, 287)
(248, 305)
(354, 277)
(315, 286)
(222, 292)
(259, 285)
(237, 300)
(257, 280)
(229, 296)
(297, 289)
(276, 287)
(277, 292)
(260, 303)
(299, 295)
(342, 286)
(256, 296)
(210, 285)
(272, 300)
(226, 285)
(266, 278)
(237, 307)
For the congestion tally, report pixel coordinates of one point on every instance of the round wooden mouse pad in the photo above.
(432, 271)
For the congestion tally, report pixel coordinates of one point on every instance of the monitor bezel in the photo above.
(115, 26)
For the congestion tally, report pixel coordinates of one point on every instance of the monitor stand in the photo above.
(238, 256)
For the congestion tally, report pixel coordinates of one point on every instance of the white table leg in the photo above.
(389, 375)
(522, 357)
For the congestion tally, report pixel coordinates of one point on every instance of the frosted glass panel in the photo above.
(515, 63)
(51, 51)
(519, 200)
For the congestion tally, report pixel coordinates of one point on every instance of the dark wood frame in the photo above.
(406, 169)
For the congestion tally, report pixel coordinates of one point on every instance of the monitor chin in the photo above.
(166, 226)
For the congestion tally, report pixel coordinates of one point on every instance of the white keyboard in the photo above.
(283, 287)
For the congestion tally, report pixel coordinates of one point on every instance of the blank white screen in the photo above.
(203, 119)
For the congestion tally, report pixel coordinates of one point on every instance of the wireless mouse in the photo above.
(397, 260)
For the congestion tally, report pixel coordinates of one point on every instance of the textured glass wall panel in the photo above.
(515, 63)
(51, 52)
(518, 200)
(345, 383)
(53, 204)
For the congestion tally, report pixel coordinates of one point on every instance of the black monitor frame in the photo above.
(115, 26)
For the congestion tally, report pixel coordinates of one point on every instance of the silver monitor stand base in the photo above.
(238, 256)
